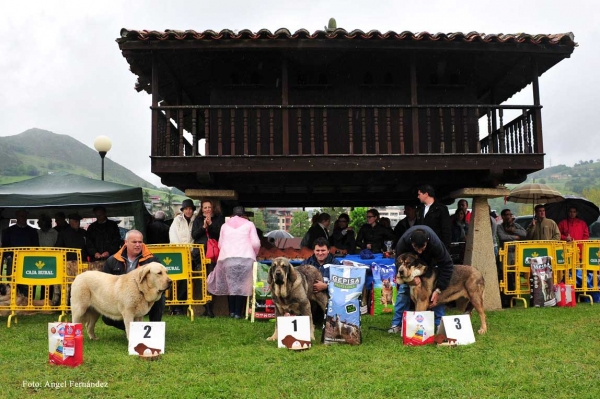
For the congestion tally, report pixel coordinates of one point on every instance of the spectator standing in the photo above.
(409, 221)
(508, 231)
(207, 225)
(47, 237)
(72, 236)
(60, 220)
(319, 229)
(180, 232)
(372, 234)
(343, 236)
(459, 226)
(19, 234)
(157, 232)
(103, 238)
(542, 228)
(239, 245)
(434, 214)
(572, 228)
(464, 205)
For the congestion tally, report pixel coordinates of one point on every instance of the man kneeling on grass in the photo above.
(131, 256)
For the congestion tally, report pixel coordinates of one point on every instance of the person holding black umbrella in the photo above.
(572, 228)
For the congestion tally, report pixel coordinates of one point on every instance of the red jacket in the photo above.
(574, 227)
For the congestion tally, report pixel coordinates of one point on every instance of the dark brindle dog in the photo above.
(292, 291)
(466, 282)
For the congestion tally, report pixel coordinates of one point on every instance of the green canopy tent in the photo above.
(71, 193)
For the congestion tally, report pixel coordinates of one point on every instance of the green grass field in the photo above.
(527, 353)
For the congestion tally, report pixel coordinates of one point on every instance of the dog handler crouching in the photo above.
(132, 255)
(422, 241)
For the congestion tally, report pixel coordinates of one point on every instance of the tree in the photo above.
(358, 217)
(592, 194)
(300, 224)
(271, 222)
(259, 220)
(167, 203)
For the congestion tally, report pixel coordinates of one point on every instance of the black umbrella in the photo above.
(586, 209)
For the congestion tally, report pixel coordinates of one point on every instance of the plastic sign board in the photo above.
(457, 328)
(293, 332)
(146, 338)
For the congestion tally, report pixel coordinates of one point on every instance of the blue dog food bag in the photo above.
(384, 288)
(342, 323)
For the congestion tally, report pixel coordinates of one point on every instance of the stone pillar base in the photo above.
(479, 251)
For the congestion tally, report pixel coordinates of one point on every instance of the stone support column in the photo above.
(479, 250)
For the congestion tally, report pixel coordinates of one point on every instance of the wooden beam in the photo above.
(327, 44)
(154, 144)
(539, 140)
(202, 193)
(285, 101)
(414, 101)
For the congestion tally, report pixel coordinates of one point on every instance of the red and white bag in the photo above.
(65, 344)
(565, 295)
(418, 328)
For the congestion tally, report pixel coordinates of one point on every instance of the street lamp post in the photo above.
(102, 144)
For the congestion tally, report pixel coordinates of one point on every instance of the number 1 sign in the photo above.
(147, 338)
(293, 332)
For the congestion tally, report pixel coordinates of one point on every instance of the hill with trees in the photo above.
(37, 152)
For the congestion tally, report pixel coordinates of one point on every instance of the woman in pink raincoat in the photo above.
(239, 244)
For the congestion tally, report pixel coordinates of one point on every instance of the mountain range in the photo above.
(22, 155)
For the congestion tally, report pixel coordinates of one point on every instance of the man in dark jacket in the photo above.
(133, 255)
(434, 214)
(157, 232)
(103, 236)
(19, 235)
(423, 241)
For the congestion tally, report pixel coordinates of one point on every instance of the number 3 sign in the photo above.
(146, 338)
(457, 327)
(296, 327)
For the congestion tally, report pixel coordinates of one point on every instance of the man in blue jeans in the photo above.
(422, 241)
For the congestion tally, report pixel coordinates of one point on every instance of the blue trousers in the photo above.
(403, 304)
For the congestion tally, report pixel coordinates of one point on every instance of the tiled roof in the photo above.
(284, 34)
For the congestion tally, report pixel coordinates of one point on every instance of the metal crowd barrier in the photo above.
(569, 259)
(36, 267)
(514, 257)
(177, 258)
(586, 258)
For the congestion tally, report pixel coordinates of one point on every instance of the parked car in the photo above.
(524, 221)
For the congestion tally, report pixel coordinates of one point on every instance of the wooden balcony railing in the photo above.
(271, 130)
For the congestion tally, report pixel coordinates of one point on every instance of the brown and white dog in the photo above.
(292, 291)
(466, 282)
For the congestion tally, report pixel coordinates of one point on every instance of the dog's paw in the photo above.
(272, 338)
(482, 331)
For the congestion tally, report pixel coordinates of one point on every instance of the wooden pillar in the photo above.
(539, 141)
(284, 112)
(154, 144)
(414, 101)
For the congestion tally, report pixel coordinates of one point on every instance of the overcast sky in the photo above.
(61, 69)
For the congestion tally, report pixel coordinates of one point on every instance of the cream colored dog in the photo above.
(127, 297)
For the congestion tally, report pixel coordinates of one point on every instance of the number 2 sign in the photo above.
(146, 338)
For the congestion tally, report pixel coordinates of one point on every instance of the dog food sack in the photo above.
(65, 344)
(342, 323)
(384, 288)
(418, 328)
(542, 285)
